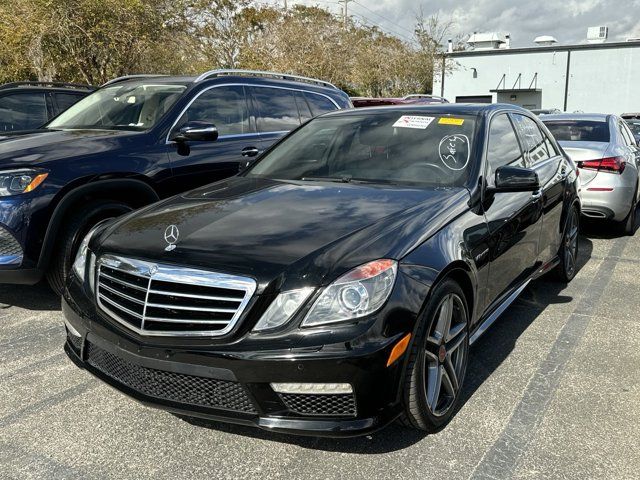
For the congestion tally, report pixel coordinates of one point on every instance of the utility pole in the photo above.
(345, 15)
(285, 4)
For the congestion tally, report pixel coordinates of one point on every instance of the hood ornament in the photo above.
(171, 235)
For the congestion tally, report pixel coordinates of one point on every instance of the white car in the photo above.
(608, 160)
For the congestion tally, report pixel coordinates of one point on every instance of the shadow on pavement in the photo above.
(36, 297)
(486, 356)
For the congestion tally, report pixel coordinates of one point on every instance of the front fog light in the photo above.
(313, 388)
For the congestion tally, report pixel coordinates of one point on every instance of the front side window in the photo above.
(532, 139)
(503, 148)
(277, 109)
(123, 106)
(224, 107)
(388, 148)
(22, 111)
(579, 130)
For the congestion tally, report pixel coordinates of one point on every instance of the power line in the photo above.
(383, 17)
(384, 29)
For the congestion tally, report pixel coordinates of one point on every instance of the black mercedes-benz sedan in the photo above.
(336, 284)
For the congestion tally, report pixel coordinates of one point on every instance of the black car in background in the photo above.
(130, 143)
(29, 105)
(336, 284)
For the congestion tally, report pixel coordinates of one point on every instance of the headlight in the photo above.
(282, 309)
(360, 292)
(79, 264)
(15, 182)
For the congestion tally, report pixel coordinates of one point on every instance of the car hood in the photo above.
(284, 234)
(37, 147)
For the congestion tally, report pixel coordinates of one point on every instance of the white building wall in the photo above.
(600, 80)
(605, 81)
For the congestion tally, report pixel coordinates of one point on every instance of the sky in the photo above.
(566, 20)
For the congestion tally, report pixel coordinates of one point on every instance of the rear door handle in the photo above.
(250, 152)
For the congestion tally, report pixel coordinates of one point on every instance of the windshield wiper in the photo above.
(342, 179)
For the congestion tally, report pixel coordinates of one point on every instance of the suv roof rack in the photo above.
(129, 77)
(47, 84)
(260, 73)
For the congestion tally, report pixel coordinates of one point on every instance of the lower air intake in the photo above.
(334, 405)
(176, 387)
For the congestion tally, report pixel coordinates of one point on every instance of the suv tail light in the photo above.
(607, 164)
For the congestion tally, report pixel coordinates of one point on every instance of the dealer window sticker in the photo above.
(451, 121)
(454, 151)
(413, 121)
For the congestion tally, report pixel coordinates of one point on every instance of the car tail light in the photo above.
(607, 164)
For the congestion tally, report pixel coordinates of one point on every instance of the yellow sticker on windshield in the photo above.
(451, 121)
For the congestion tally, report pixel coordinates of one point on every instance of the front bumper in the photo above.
(235, 386)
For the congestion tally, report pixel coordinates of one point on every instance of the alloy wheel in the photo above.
(445, 352)
(571, 244)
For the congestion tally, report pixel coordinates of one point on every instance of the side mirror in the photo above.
(196, 131)
(516, 179)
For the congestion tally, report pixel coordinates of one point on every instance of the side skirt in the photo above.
(484, 326)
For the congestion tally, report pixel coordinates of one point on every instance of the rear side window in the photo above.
(22, 111)
(277, 109)
(319, 104)
(503, 148)
(532, 139)
(225, 107)
(579, 130)
(65, 100)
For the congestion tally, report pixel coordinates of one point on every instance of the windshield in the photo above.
(420, 148)
(128, 106)
(579, 130)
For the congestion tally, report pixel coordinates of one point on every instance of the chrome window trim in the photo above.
(174, 274)
(236, 84)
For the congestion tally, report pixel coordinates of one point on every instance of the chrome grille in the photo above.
(165, 300)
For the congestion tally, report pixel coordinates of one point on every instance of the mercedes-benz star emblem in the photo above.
(171, 235)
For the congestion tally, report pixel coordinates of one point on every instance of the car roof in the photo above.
(593, 117)
(35, 85)
(477, 109)
(226, 76)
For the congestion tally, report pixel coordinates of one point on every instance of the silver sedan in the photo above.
(608, 160)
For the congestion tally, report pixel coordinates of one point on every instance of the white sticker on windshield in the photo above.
(413, 121)
(454, 151)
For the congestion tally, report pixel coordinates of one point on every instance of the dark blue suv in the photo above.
(132, 142)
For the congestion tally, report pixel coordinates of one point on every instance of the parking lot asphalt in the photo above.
(552, 391)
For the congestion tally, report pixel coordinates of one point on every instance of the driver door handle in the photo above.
(537, 194)
(250, 152)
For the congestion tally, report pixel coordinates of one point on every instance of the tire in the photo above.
(629, 223)
(437, 362)
(75, 227)
(568, 254)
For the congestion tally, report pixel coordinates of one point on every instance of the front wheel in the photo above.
(568, 266)
(438, 360)
(76, 226)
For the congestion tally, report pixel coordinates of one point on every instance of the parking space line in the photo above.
(501, 460)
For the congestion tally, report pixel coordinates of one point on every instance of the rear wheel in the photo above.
(438, 360)
(75, 227)
(629, 223)
(568, 266)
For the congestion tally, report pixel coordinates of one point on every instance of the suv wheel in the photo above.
(438, 360)
(73, 231)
